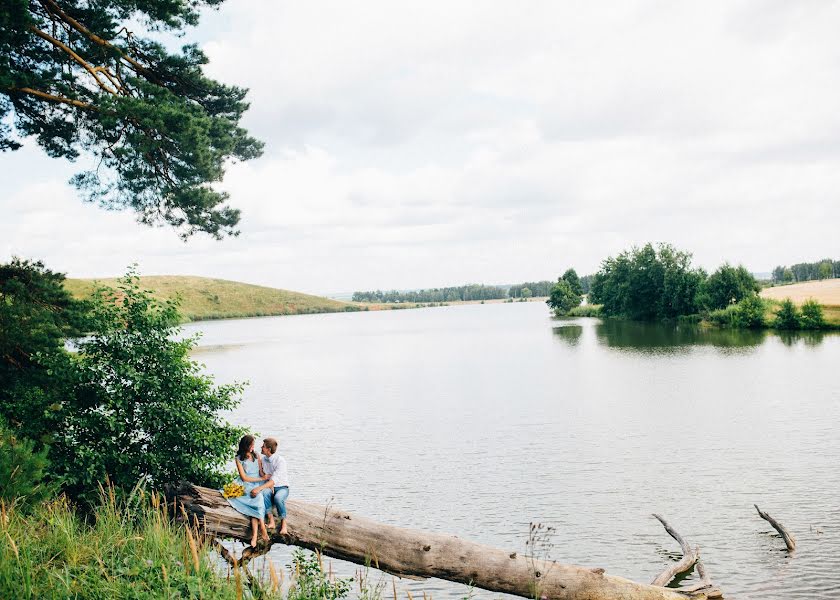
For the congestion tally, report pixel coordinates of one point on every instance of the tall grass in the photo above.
(126, 549)
(130, 548)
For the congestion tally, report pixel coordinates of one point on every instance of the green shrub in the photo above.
(562, 298)
(141, 409)
(812, 315)
(587, 310)
(787, 317)
(723, 317)
(311, 582)
(749, 313)
(22, 467)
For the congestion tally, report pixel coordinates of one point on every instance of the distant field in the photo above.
(826, 292)
(205, 298)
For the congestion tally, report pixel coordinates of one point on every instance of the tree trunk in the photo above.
(417, 554)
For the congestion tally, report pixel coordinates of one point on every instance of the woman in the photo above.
(251, 475)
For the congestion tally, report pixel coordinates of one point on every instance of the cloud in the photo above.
(437, 143)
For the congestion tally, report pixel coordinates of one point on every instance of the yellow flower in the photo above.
(233, 490)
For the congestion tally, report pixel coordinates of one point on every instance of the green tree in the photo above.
(571, 277)
(787, 317)
(812, 315)
(728, 285)
(37, 315)
(825, 270)
(84, 77)
(22, 467)
(647, 283)
(142, 409)
(526, 292)
(562, 298)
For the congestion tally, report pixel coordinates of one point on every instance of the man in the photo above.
(277, 487)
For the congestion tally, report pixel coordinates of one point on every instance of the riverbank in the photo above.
(729, 317)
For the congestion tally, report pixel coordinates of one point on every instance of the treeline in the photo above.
(447, 294)
(822, 269)
(528, 289)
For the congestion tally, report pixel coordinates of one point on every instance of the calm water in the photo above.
(476, 420)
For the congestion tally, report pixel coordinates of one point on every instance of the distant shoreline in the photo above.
(208, 299)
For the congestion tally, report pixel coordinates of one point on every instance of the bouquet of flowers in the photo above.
(233, 490)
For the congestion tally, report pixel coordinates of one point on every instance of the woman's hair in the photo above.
(244, 451)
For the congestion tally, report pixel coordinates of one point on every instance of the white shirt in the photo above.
(275, 467)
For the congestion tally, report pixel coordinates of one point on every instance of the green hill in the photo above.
(204, 298)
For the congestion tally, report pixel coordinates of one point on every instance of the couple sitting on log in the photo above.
(265, 481)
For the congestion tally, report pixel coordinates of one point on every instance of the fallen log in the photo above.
(415, 554)
(790, 541)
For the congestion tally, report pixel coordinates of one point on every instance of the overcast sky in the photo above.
(439, 143)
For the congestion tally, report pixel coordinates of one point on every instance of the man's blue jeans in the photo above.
(277, 497)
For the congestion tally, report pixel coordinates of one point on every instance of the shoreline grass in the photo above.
(127, 548)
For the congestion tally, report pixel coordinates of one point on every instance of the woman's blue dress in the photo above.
(252, 507)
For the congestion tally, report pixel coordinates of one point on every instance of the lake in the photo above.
(477, 420)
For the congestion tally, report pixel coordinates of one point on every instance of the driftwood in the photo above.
(415, 554)
(691, 558)
(685, 563)
(790, 541)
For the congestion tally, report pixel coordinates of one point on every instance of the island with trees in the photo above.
(659, 283)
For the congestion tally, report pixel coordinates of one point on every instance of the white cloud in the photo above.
(438, 143)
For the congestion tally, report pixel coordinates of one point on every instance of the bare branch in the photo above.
(790, 541)
(685, 563)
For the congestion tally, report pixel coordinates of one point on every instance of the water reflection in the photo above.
(667, 338)
(810, 339)
(672, 337)
(569, 333)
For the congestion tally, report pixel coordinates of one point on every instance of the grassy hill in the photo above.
(204, 298)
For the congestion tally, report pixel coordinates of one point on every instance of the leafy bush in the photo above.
(141, 408)
(21, 469)
(587, 310)
(787, 317)
(311, 582)
(723, 317)
(562, 298)
(749, 313)
(812, 315)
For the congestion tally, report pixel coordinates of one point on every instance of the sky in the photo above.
(427, 144)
